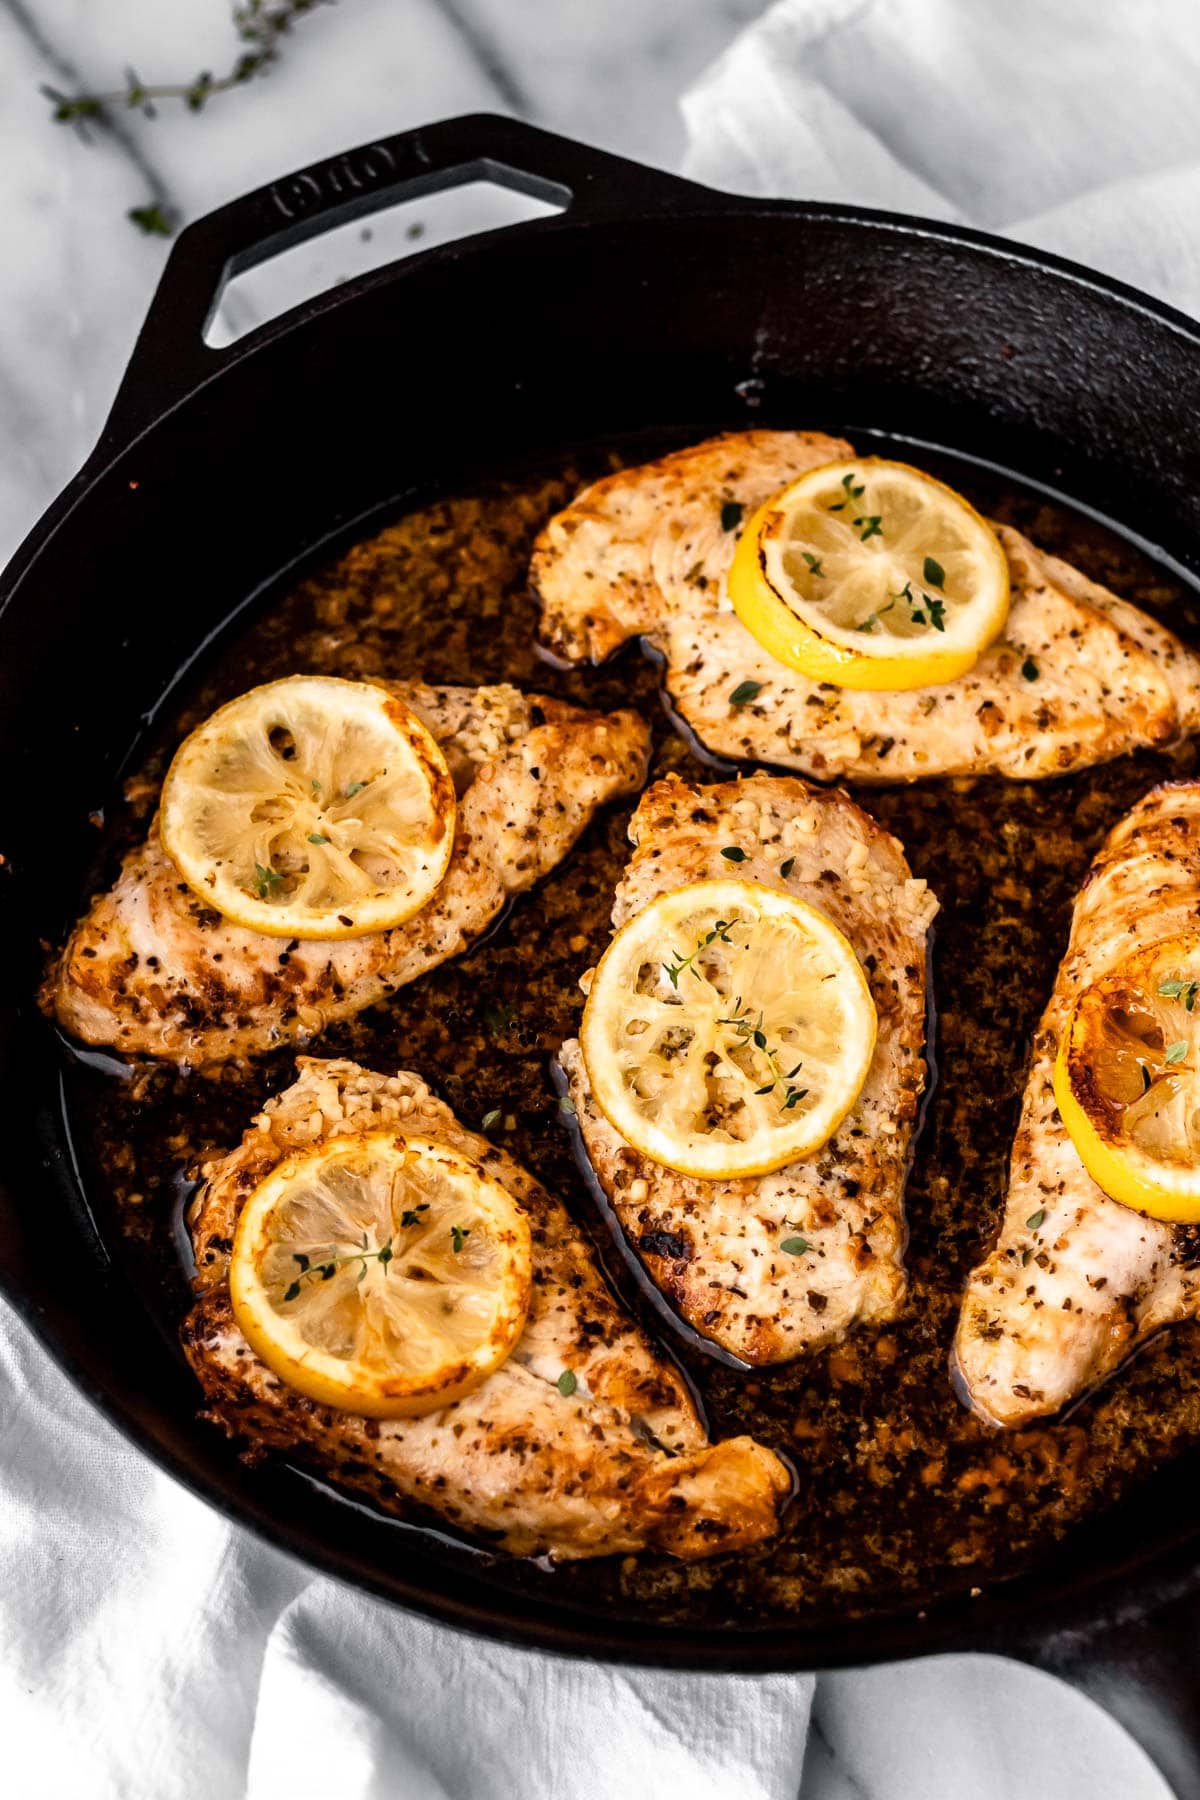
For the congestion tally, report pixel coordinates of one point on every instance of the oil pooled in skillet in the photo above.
(901, 1491)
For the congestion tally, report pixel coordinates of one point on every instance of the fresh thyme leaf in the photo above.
(1036, 1219)
(1029, 669)
(937, 613)
(356, 787)
(849, 492)
(490, 1119)
(1176, 1051)
(316, 837)
(567, 1382)
(568, 1106)
(744, 692)
(1181, 990)
(814, 564)
(293, 1293)
(300, 1258)
(933, 573)
(731, 515)
(872, 527)
(869, 623)
(266, 880)
(458, 1236)
(734, 853)
(151, 219)
(412, 1215)
(794, 1246)
(786, 866)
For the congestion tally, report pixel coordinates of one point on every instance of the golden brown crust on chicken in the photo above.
(713, 1246)
(644, 553)
(152, 971)
(622, 1464)
(1058, 1305)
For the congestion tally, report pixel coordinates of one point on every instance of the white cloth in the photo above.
(1070, 124)
(148, 1651)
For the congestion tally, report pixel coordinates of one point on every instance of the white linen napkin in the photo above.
(148, 1649)
(1070, 124)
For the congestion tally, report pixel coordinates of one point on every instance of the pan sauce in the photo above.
(901, 1492)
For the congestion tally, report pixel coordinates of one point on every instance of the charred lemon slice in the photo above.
(728, 1030)
(1127, 1079)
(311, 808)
(870, 574)
(383, 1275)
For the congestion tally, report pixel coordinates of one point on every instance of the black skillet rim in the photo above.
(1013, 1616)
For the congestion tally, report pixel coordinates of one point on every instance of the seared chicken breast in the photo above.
(713, 1247)
(1077, 678)
(620, 1464)
(1076, 1280)
(152, 971)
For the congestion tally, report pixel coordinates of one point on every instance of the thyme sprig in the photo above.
(1180, 990)
(928, 604)
(327, 1268)
(722, 929)
(871, 523)
(750, 1030)
(260, 27)
(266, 880)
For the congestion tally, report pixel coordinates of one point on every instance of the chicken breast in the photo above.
(1077, 1281)
(152, 971)
(622, 1464)
(713, 1246)
(647, 552)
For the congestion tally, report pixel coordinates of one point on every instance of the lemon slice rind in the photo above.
(893, 583)
(698, 1074)
(1134, 1131)
(413, 1319)
(311, 808)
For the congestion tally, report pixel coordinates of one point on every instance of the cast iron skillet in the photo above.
(648, 302)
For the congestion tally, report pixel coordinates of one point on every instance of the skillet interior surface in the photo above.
(396, 394)
(902, 1496)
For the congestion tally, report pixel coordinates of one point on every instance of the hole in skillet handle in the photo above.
(177, 348)
(345, 252)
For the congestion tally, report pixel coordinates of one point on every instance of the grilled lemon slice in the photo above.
(383, 1275)
(311, 808)
(1127, 1079)
(871, 574)
(728, 1030)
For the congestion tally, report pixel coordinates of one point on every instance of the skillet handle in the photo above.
(1145, 1671)
(171, 360)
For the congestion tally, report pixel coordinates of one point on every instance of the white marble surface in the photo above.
(74, 282)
